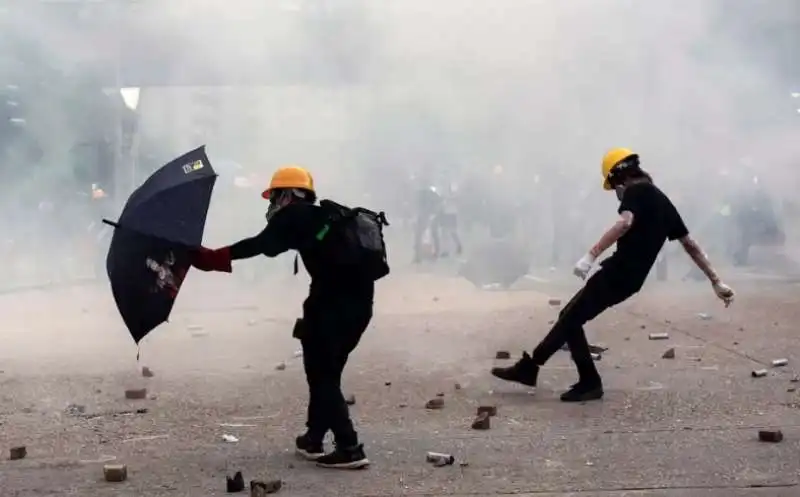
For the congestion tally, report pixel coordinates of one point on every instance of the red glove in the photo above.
(213, 260)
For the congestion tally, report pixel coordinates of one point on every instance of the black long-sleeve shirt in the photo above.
(296, 227)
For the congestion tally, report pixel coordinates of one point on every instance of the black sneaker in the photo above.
(340, 458)
(583, 392)
(307, 448)
(524, 371)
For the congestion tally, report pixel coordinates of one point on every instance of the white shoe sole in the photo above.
(308, 456)
(360, 464)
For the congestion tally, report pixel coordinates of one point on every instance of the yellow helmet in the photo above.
(290, 177)
(611, 159)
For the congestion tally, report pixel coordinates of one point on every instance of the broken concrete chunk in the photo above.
(17, 453)
(439, 459)
(489, 410)
(779, 363)
(115, 473)
(554, 302)
(147, 372)
(773, 436)
(280, 366)
(482, 422)
(435, 403)
(260, 488)
(502, 354)
(759, 373)
(136, 394)
(235, 484)
(704, 316)
(669, 354)
(440, 394)
(658, 336)
(350, 400)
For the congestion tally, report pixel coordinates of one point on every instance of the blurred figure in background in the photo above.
(428, 205)
(445, 222)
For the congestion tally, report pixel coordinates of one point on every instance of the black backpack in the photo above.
(353, 241)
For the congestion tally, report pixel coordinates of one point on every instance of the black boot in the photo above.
(308, 448)
(524, 371)
(345, 458)
(584, 391)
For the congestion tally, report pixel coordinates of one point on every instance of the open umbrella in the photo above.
(162, 221)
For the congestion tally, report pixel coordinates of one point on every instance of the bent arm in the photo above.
(699, 257)
(613, 234)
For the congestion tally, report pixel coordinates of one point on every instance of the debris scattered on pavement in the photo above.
(402, 405)
(482, 422)
(439, 459)
(791, 389)
(596, 357)
(486, 409)
(115, 473)
(773, 436)
(779, 362)
(554, 302)
(795, 380)
(457, 386)
(440, 394)
(236, 425)
(298, 353)
(229, 438)
(235, 484)
(350, 400)
(502, 354)
(194, 327)
(387, 383)
(260, 488)
(704, 316)
(147, 372)
(658, 336)
(759, 373)
(17, 453)
(435, 403)
(669, 354)
(75, 409)
(280, 366)
(136, 393)
(144, 439)
(597, 349)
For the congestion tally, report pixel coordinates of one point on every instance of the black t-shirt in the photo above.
(655, 220)
(295, 227)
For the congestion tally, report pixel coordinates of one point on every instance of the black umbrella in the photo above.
(162, 221)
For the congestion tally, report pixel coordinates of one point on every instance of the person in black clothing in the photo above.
(647, 219)
(428, 205)
(335, 314)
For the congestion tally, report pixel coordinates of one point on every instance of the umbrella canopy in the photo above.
(162, 221)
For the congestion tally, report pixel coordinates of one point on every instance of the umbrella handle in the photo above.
(111, 223)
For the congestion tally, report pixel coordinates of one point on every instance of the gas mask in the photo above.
(279, 199)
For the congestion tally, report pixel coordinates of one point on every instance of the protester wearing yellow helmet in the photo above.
(647, 219)
(343, 266)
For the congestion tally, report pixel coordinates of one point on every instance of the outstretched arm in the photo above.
(699, 257)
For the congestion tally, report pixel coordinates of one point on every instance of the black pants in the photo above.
(599, 293)
(330, 333)
(424, 222)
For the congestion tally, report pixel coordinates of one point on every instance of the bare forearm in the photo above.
(700, 258)
(611, 236)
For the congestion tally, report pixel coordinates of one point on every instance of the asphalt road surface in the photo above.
(684, 427)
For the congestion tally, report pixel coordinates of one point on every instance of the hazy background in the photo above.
(379, 98)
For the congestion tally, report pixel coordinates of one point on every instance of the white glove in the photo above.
(583, 266)
(724, 292)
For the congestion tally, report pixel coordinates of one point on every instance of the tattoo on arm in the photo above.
(699, 257)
